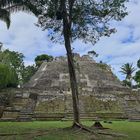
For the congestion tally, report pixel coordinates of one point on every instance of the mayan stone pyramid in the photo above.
(90, 75)
(48, 95)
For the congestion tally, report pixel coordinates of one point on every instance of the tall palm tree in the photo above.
(128, 69)
(9, 6)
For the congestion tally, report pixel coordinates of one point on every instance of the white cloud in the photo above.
(120, 48)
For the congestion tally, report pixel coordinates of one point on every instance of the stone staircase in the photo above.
(25, 116)
(9, 114)
(21, 109)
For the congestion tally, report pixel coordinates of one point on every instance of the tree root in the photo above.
(38, 133)
(97, 127)
(112, 134)
(77, 127)
(81, 127)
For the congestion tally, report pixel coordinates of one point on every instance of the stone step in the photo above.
(26, 113)
(82, 118)
(134, 119)
(24, 118)
(135, 115)
(48, 115)
(102, 117)
(95, 114)
(7, 119)
(129, 112)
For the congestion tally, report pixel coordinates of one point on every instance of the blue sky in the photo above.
(122, 47)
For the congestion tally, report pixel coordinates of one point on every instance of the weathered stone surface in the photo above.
(48, 96)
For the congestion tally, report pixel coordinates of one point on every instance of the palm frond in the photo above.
(127, 69)
(19, 5)
(5, 16)
(123, 72)
(8, 3)
(32, 8)
(10, 6)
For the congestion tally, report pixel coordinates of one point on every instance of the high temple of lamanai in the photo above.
(47, 96)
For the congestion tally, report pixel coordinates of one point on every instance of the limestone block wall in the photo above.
(21, 104)
(49, 105)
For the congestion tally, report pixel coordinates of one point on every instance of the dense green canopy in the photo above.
(41, 58)
(8, 76)
(137, 78)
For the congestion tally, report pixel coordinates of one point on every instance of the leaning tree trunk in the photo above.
(73, 81)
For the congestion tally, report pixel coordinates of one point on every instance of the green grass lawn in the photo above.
(132, 129)
(50, 130)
